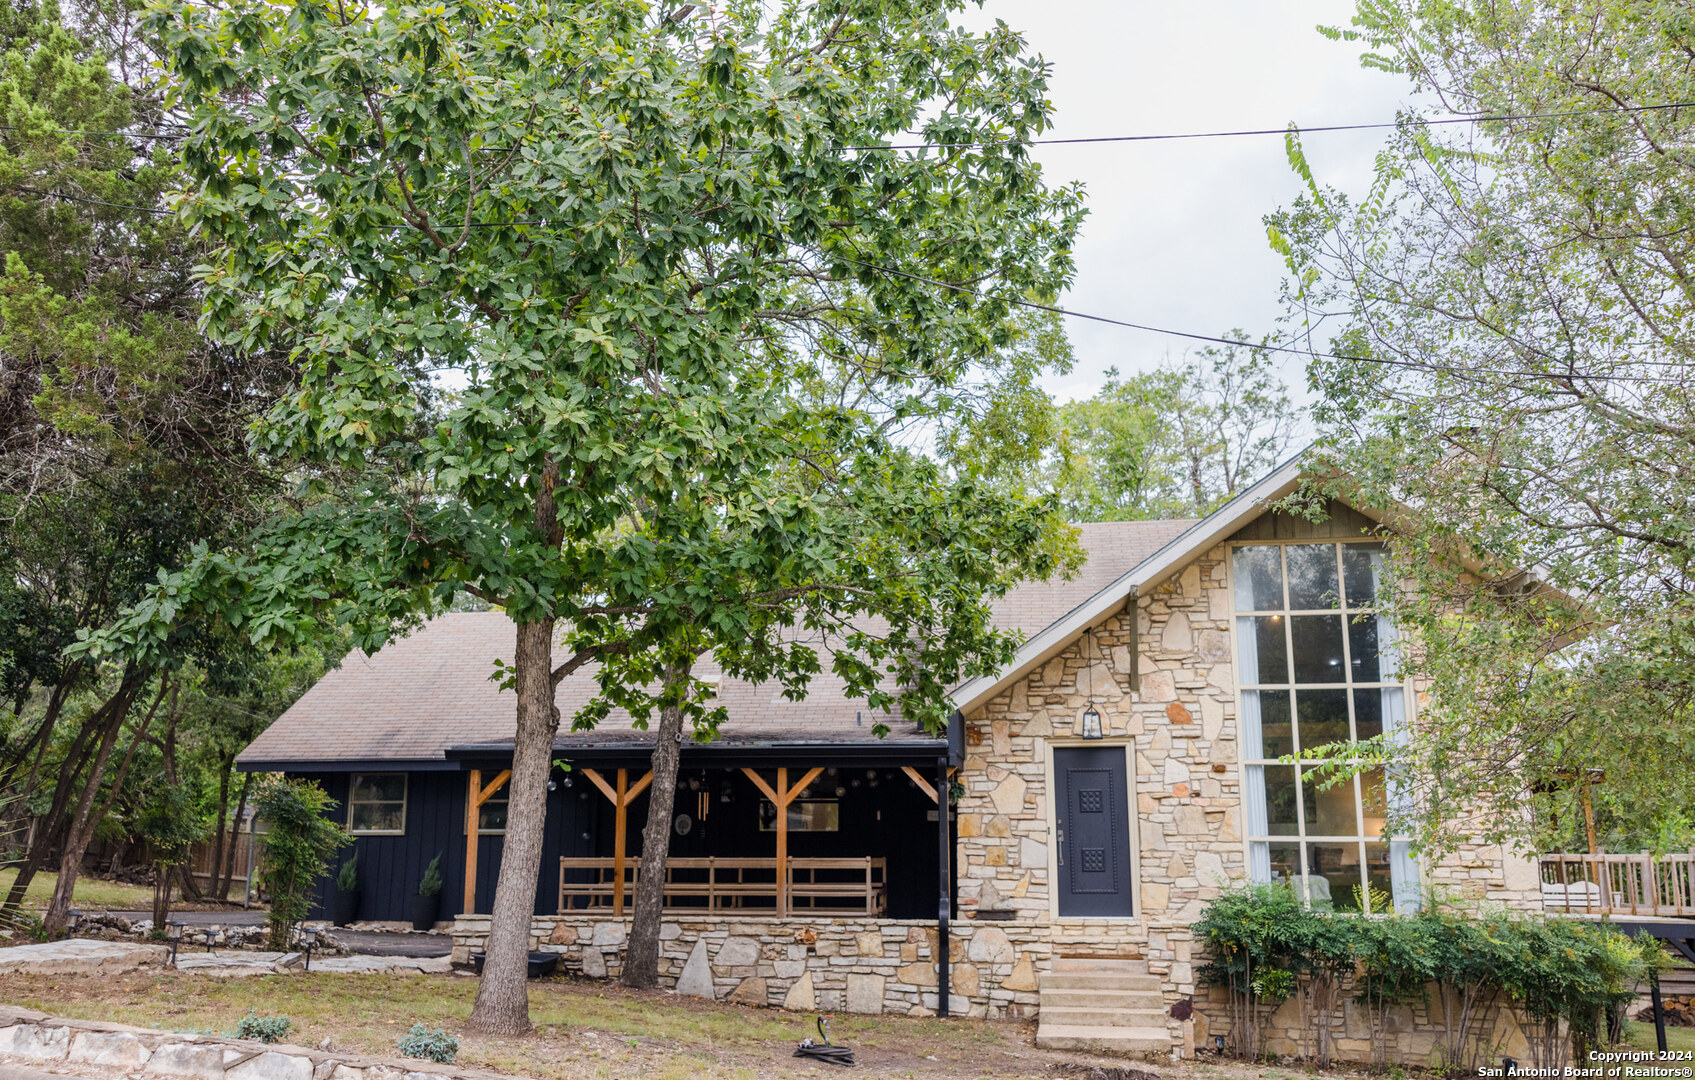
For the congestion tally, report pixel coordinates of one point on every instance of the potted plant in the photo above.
(345, 907)
(427, 904)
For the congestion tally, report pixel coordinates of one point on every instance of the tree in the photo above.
(691, 312)
(170, 826)
(1180, 440)
(300, 839)
(1513, 369)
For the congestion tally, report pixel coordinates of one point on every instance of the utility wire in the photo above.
(1095, 139)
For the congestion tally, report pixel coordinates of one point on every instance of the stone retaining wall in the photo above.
(32, 1038)
(840, 965)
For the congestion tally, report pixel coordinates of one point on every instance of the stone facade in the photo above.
(862, 965)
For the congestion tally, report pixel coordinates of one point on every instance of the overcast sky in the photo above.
(1174, 236)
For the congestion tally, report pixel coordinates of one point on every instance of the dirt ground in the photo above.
(588, 1030)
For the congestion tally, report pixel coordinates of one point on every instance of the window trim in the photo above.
(504, 795)
(1345, 610)
(405, 799)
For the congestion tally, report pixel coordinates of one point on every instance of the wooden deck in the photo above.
(1645, 884)
(740, 886)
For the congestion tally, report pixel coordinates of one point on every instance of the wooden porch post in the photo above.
(944, 907)
(620, 831)
(475, 796)
(781, 798)
(475, 787)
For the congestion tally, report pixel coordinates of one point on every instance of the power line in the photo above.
(1085, 140)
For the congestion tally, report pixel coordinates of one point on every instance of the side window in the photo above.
(376, 804)
(491, 816)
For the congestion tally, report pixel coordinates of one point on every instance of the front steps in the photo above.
(1102, 1005)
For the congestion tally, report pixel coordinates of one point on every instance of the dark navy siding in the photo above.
(888, 820)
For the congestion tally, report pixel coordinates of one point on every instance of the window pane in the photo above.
(1265, 652)
(1318, 648)
(378, 817)
(1374, 802)
(1286, 863)
(379, 787)
(1280, 800)
(1259, 579)
(1277, 733)
(1330, 810)
(491, 816)
(1334, 875)
(1312, 576)
(1362, 648)
(1378, 877)
(1368, 713)
(1323, 716)
(1361, 564)
(804, 816)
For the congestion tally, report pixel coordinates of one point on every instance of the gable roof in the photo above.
(423, 694)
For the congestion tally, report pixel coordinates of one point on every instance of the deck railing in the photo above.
(1644, 884)
(743, 886)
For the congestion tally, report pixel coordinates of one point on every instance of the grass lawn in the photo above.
(1641, 1036)
(584, 1029)
(90, 892)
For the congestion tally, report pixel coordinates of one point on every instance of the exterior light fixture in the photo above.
(308, 938)
(173, 931)
(1092, 723)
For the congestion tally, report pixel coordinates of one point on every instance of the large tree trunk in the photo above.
(503, 1002)
(641, 957)
(51, 826)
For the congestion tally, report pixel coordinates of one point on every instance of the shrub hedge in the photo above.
(1570, 979)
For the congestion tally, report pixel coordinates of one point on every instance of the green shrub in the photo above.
(437, 1045)
(296, 849)
(347, 877)
(267, 1029)
(1253, 937)
(431, 883)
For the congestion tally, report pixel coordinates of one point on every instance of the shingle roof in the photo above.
(421, 694)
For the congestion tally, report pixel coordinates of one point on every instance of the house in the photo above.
(1109, 783)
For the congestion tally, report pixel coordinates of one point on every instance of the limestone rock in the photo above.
(1008, 795)
(918, 973)
(188, 1061)
(271, 1065)
(800, 996)
(1213, 646)
(1209, 868)
(737, 952)
(1156, 896)
(788, 969)
(1176, 637)
(990, 945)
(865, 993)
(750, 991)
(113, 1048)
(35, 1043)
(1157, 686)
(594, 963)
(998, 827)
(609, 933)
(696, 979)
(963, 979)
(970, 825)
(1023, 977)
(1177, 714)
(563, 934)
(868, 944)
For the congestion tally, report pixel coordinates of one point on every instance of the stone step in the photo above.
(1090, 1016)
(1121, 965)
(1093, 997)
(1098, 980)
(1120, 1040)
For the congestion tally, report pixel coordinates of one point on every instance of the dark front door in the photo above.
(1094, 830)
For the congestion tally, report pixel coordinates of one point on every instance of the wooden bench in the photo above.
(852, 885)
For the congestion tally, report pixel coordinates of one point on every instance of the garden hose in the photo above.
(824, 1051)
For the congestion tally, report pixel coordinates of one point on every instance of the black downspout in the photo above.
(1659, 1015)
(945, 892)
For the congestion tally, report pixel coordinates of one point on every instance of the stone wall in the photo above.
(858, 965)
(36, 1039)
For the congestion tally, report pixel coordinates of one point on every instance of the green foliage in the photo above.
(1519, 300)
(1174, 442)
(296, 849)
(171, 825)
(430, 883)
(437, 1045)
(347, 875)
(268, 1029)
(1264, 946)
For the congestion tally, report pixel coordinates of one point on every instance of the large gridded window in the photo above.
(376, 803)
(1318, 667)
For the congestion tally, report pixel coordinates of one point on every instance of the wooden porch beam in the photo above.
(802, 784)
(620, 820)
(923, 785)
(600, 782)
(474, 788)
(764, 788)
